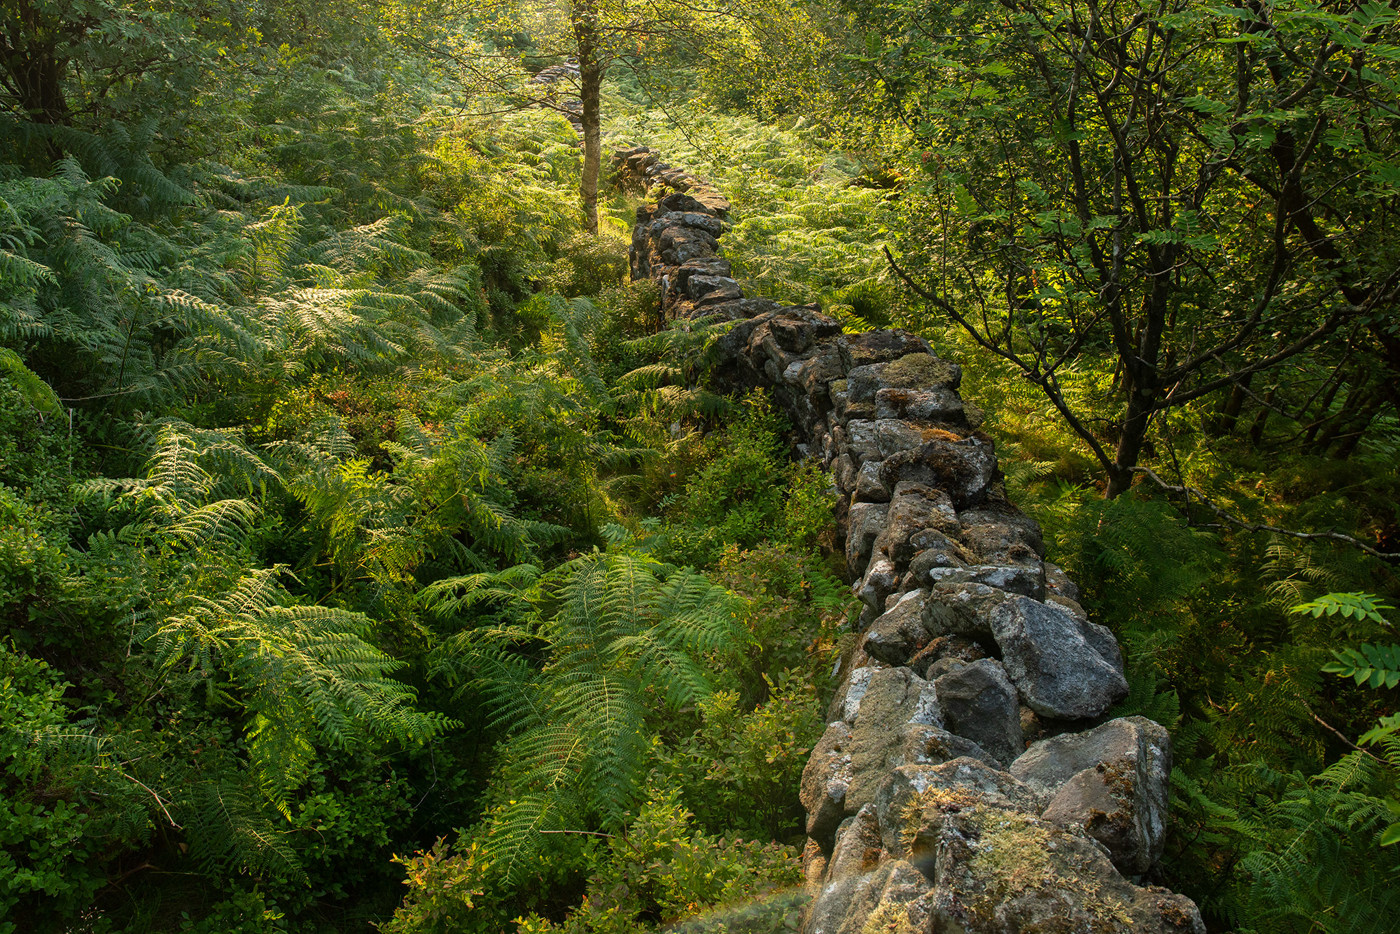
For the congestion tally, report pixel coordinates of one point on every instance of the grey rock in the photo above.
(963, 469)
(932, 404)
(825, 780)
(868, 485)
(886, 898)
(979, 702)
(1112, 780)
(914, 508)
(880, 580)
(1001, 538)
(1057, 670)
(899, 632)
(880, 347)
(896, 702)
(963, 609)
(1023, 579)
(1057, 582)
(857, 847)
(894, 435)
(907, 800)
(865, 523)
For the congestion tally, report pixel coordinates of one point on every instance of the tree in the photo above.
(502, 50)
(1202, 195)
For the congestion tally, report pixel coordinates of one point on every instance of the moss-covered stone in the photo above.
(917, 370)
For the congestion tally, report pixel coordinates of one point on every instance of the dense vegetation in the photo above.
(370, 554)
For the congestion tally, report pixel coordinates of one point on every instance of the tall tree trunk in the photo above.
(590, 66)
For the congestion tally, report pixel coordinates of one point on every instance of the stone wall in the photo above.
(965, 781)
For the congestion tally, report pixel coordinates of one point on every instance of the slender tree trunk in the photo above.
(1256, 431)
(1229, 414)
(1130, 440)
(585, 23)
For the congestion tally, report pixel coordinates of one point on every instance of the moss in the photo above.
(889, 918)
(917, 370)
(1010, 853)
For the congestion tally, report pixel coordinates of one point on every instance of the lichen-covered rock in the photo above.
(857, 848)
(1028, 580)
(1048, 654)
(872, 902)
(895, 702)
(899, 632)
(955, 647)
(909, 789)
(1112, 780)
(881, 579)
(998, 869)
(880, 347)
(914, 508)
(979, 702)
(865, 523)
(1001, 538)
(963, 609)
(868, 486)
(963, 469)
(825, 780)
(930, 404)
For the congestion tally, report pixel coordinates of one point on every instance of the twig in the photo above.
(1191, 492)
(1342, 736)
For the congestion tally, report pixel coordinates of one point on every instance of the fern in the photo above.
(303, 674)
(609, 630)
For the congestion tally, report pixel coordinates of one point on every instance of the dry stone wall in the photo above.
(965, 781)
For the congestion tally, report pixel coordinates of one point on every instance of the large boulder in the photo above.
(979, 702)
(963, 469)
(825, 780)
(895, 704)
(1112, 780)
(899, 633)
(913, 509)
(1048, 652)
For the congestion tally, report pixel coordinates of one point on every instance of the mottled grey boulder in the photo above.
(864, 524)
(895, 701)
(962, 469)
(1112, 780)
(898, 633)
(963, 609)
(868, 486)
(1049, 655)
(914, 508)
(930, 404)
(979, 702)
(825, 779)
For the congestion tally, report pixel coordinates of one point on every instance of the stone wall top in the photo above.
(965, 781)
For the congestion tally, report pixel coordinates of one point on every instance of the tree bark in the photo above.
(585, 23)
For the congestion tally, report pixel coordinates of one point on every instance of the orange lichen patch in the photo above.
(939, 434)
